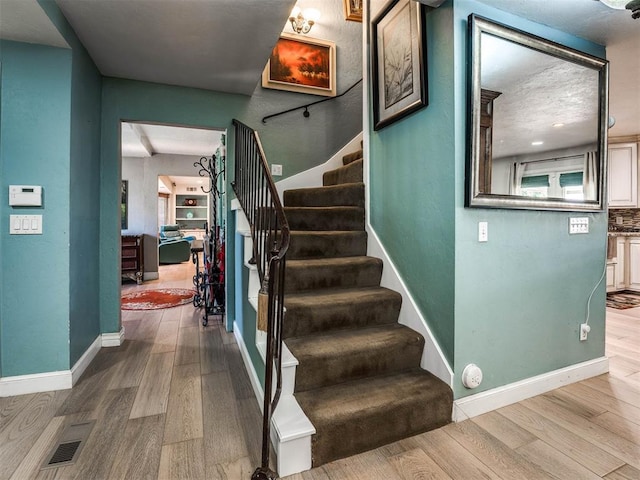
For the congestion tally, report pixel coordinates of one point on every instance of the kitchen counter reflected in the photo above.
(624, 233)
(620, 231)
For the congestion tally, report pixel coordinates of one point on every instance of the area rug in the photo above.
(156, 299)
(623, 299)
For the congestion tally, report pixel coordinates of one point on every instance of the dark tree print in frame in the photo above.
(399, 62)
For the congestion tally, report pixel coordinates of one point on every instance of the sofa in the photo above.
(173, 246)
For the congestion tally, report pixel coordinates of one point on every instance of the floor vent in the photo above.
(69, 446)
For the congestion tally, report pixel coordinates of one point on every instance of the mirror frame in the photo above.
(474, 197)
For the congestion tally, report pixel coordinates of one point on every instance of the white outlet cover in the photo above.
(472, 376)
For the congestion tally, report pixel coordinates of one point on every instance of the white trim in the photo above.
(49, 381)
(83, 362)
(291, 429)
(313, 176)
(248, 364)
(60, 380)
(114, 339)
(35, 383)
(495, 398)
(150, 276)
(433, 359)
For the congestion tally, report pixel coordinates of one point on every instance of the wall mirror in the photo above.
(537, 122)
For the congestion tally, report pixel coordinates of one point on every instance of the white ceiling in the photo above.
(146, 140)
(223, 44)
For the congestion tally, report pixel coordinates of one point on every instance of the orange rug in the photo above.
(156, 299)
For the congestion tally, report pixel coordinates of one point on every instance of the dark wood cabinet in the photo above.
(132, 257)
(486, 139)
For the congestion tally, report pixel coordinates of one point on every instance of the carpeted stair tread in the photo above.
(347, 194)
(351, 173)
(321, 311)
(325, 218)
(352, 157)
(370, 351)
(331, 243)
(345, 272)
(361, 415)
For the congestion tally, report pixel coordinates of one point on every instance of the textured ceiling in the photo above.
(211, 44)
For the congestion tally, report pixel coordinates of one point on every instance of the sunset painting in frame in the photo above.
(302, 65)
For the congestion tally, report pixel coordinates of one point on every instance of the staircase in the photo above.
(358, 378)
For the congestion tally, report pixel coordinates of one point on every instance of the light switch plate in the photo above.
(25, 224)
(578, 225)
(483, 231)
(276, 170)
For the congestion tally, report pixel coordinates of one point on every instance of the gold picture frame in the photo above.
(302, 65)
(353, 10)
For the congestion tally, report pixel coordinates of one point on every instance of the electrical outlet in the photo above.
(619, 220)
(483, 231)
(584, 331)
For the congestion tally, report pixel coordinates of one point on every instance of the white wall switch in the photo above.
(25, 224)
(276, 170)
(483, 231)
(578, 225)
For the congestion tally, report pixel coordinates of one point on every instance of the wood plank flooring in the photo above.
(174, 402)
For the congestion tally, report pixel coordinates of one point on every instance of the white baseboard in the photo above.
(60, 380)
(35, 383)
(493, 399)
(87, 357)
(433, 359)
(248, 364)
(114, 339)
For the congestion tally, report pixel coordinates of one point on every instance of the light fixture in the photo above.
(616, 4)
(558, 125)
(302, 23)
(633, 6)
(537, 142)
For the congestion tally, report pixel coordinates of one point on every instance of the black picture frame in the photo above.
(124, 209)
(399, 59)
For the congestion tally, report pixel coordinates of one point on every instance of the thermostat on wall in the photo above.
(25, 195)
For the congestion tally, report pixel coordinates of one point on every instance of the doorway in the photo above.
(159, 164)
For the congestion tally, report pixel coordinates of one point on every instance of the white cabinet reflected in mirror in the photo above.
(538, 122)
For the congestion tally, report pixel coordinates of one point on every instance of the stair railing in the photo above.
(258, 197)
(306, 112)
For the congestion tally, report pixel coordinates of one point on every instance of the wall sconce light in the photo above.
(633, 6)
(302, 23)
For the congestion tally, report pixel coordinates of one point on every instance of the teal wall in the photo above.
(86, 85)
(35, 150)
(521, 297)
(412, 185)
(125, 100)
(512, 305)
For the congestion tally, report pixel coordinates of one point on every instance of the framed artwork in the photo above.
(399, 62)
(124, 194)
(353, 10)
(302, 65)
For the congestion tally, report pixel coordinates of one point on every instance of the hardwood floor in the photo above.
(170, 403)
(174, 402)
